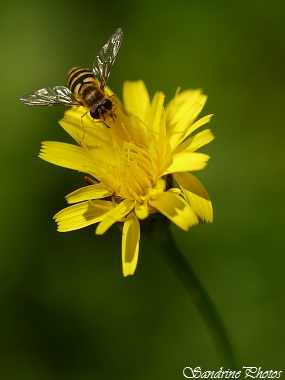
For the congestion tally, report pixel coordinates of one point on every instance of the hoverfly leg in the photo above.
(113, 115)
(103, 121)
(83, 117)
(114, 106)
(100, 121)
(83, 126)
(112, 97)
(106, 124)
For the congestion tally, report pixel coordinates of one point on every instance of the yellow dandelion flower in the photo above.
(133, 165)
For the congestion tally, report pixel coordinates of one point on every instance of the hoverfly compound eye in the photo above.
(107, 104)
(101, 108)
(94, 112)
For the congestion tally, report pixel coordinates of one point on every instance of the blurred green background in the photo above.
(66, 311)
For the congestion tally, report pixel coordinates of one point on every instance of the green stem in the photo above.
(157, 232)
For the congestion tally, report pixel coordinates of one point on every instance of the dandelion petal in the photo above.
(95, 191)
(113, 216)
(195, 142)
(130, 245)
(187, 161)
(196, 194)
(136, 98)
(81, 215)
(176, 209)
(66, 155)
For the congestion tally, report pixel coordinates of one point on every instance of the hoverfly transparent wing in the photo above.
(103, 63)
(51, 96)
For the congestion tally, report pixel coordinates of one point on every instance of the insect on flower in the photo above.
(85, 87)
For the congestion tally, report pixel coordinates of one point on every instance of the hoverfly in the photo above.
(85, 87)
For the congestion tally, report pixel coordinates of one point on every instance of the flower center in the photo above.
(129, 171)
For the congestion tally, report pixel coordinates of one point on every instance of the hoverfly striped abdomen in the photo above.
(85, 87)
